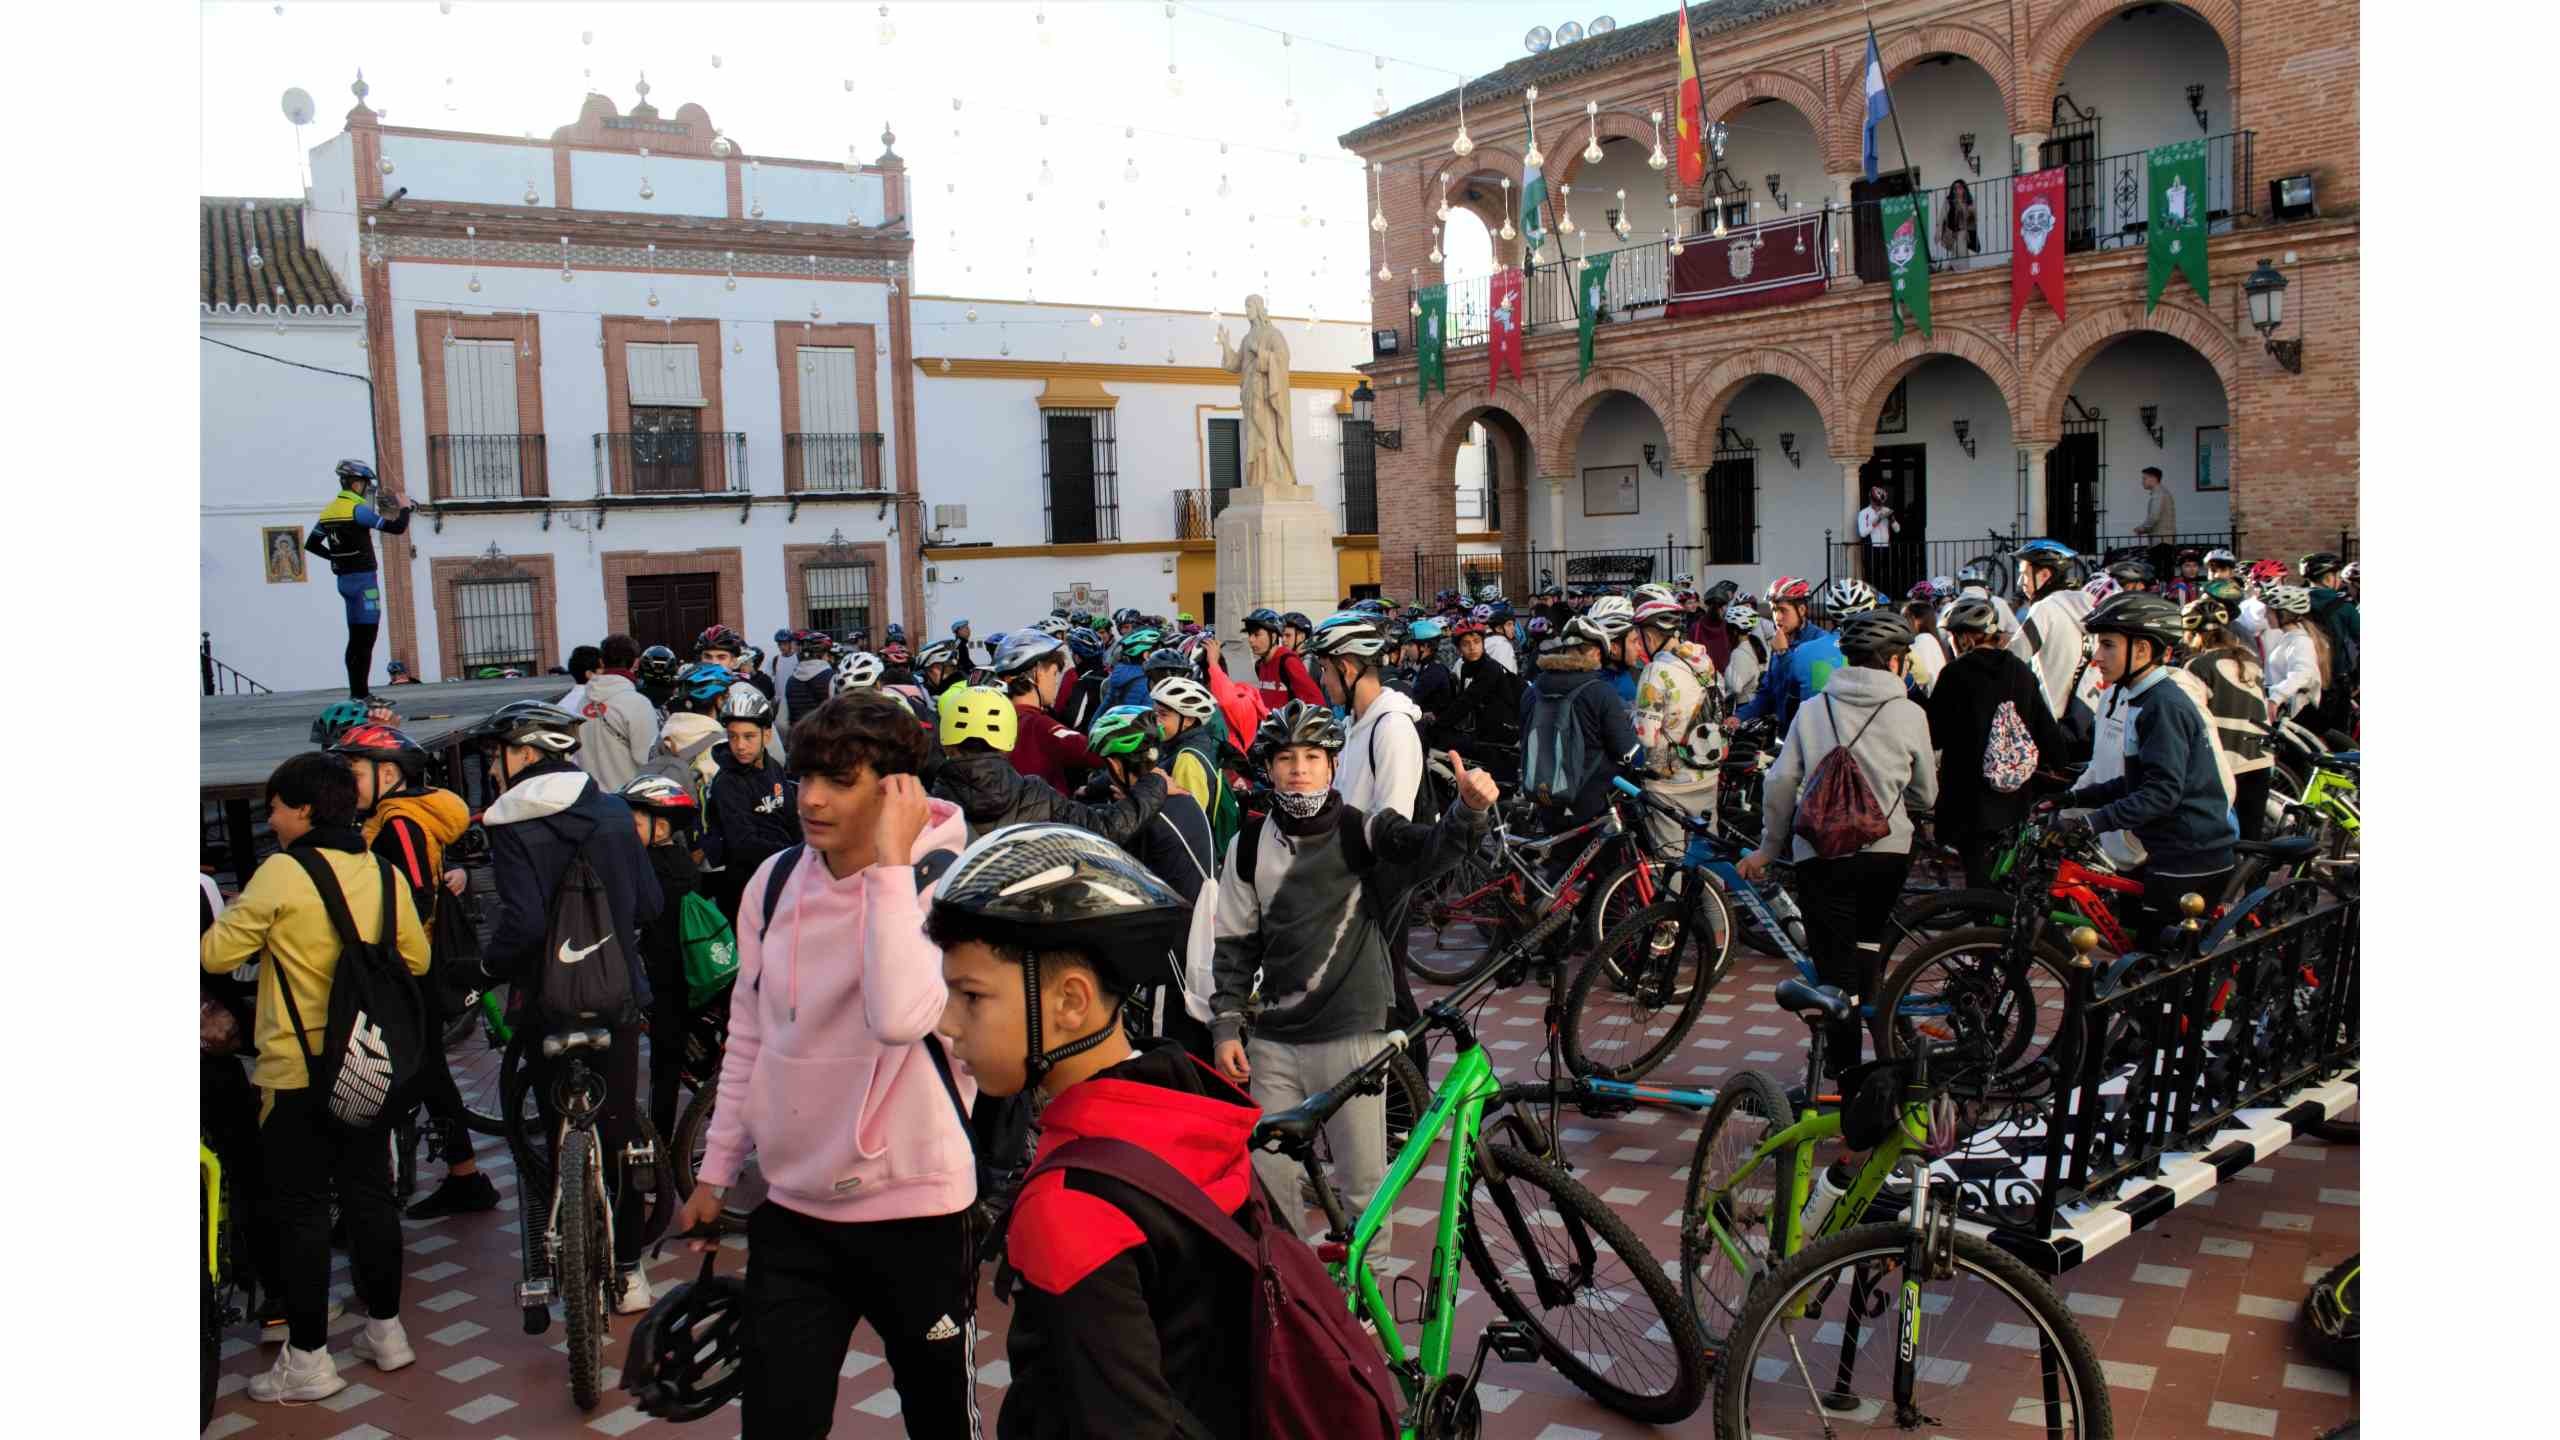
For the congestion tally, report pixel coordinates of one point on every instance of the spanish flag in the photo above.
(1692, 110)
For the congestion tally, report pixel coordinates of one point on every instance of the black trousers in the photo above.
(2158, 908)
(2251, 800)
(811, 1281)
(1848, 902)
(227, 1111)
(305, 1155)
(1977, 850)
(437, 1092)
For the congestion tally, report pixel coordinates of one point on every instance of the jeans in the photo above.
(305, 1154)
(1286, 1072)
(1848, 902)
(811, 1281)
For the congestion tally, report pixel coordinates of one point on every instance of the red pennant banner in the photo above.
(2036, 241)
(1503, 331)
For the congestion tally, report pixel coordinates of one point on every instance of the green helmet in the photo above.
(1125, 730)
(1136, 644)
(337, 720)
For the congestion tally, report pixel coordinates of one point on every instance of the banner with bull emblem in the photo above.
(2036, 242)
(1906, 253)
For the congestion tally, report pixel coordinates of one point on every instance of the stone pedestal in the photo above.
(1275, 548)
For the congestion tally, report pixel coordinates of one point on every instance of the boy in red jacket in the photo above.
(1276, 662)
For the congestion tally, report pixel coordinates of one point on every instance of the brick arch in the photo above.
(1571, 409)
(1778, 85)
(1887, 363)
(1447, 420)
(1848, 107)
(1709, 395)
(2060, 361)
(1617, 124)
(1487, 168)
(2062, 35)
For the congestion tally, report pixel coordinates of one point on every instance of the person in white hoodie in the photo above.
(1382, 759)
(621, 725)
(2050, 636)
(2293, 651)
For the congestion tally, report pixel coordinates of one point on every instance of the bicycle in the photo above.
(1551, 1241)
(227, 1290)
(1751, 1260)
(1502, 891)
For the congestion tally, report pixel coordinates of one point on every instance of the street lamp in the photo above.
(1362, 398)
(2265, 288)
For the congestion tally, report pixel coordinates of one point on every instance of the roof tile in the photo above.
(288, 264)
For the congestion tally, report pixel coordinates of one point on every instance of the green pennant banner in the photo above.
(1595, 292)
(1906, 251)
(2176, 228)
(1431, 340)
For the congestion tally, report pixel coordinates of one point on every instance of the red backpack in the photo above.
(1838, 814)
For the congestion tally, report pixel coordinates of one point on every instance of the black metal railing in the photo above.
(487, 467)
(672, 462)
(1639, 278)
(1196, 511)
(1521, 573)
(828, 464)
(1908, 562)
(221, 679)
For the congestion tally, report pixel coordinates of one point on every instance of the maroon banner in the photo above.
(1504, 330)
(2035, 241)
(1756, 265)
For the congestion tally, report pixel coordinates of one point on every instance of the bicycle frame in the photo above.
(209, 1170)
(1811, 1128)
(2333, 793)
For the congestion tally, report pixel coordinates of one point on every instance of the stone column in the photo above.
(2031, 474)
(2023, 148)
(1555, 512)
(1696, 534)
(1850, 502)
(1843, 252)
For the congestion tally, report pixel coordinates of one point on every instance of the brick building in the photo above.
(1748, 391)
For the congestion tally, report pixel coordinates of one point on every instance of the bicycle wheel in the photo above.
(1718, 1271)
(692, 1138)
(1965, 986)
(1924, 918)
(1567, 1269)
(1633, 1001)
(477, 1062)
(1469, 924)
(1995, 1349)
(1609, 905)
(1408, 1096)
(586, 1262)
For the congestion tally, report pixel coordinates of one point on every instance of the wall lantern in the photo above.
(2265, 288)
(2195, 103)
(2151, 423)
(1787, 447)
(1965, 143)
(1964, 435)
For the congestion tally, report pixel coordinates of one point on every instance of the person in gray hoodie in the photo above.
(621, 730)
(1849, 899)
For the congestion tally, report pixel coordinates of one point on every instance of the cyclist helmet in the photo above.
(536, 723)
(397, 667)
(2266, 572)
(1185, 697)
(2101, 588)
(1126, 615)
(1297, 723)
(2319, 563)
(1539, 625)
(1297, 620)
(1264, 618)
(373, 741)
(704, 685)
(1653, 590)
(745, 702)
(669, 800)
(1846, 596)
(2132, 574)
(1026, 648)
(1584, 630)
(2137, 615)
(335, 721)
(1051, 626)
(940, 652)
(2055, 556)
(687, 1356)
(1126, 730)
(657, 666)
(1720, 594)
(1167, 662)
(1741, 616)
(1465, 628)
(1875, 635)
(1788, 587)
(2219, 555)
(2205, 613)
(979, 712)
(1973, 613)
(2228, 591)
(2290, 599)
(1426, 632)
(1369, 607)
(896, 632)
(859, 671)
(894, 653)
(720, 637)
(2353, 574)
(1660, 613)
(1608, 606)
(355, 474)
(1088, 645)
(1135, 645)
(1352, 634)
(1502, 612)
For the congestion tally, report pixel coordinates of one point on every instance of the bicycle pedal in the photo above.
(1510, 1342)
(534, 1294)
(1599, 1109)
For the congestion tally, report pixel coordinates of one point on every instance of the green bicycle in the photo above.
(1788, 1299)
(1576, 1286)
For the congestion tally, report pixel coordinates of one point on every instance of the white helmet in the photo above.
(1741, 616)
(2291, 599)
(745, 702)
(1609, 605)
(860, 671)
(1847, 596)
(1184, 696)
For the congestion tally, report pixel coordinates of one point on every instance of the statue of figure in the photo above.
(1261, 366)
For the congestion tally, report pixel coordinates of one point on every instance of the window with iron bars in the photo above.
(1733, 506)
(1359, 478)
(839, 599)
(1079, 476)
(495, 619)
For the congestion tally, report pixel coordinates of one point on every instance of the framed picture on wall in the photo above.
(1609, 490)
(2213, 459)
(1895, 418)
(281, 548)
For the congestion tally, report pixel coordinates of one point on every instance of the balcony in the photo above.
(833, 464)
(466, 468)
(1196, 512)
(672, 465)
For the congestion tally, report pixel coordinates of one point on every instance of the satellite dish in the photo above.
(1602, 26)
(297, 105)
(1538, 40)
(1568, 32)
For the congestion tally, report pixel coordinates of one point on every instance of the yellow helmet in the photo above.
(978, 712)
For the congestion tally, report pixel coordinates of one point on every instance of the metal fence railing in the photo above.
(1196, 511)
(221, 679)
(486, 467)
(823, 464)
(1522, 573)
(671, 462)
(1906, 563)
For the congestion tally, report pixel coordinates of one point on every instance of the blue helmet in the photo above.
(1426, 631)
(2056, 556)
(705, 683)
(1088, 645)
(959, 625)
(1265, 618)
(352, 471)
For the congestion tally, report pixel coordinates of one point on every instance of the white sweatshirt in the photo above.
(1382, 758)
(2293, 669)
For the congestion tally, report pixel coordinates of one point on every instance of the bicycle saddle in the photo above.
(576, 1037)
(1295, 1129)
(2288, 847)
(1801, 998)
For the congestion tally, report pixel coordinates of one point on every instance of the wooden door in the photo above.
(1903, 471)
(2071, 476)
(2078, 153)
(670, 610)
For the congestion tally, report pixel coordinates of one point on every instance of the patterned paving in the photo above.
(2194, 1317)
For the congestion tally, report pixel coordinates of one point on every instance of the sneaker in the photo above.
(636, 1298)
(272, 1328)
(298, 1375)
(458, 1195)
(385, 1344)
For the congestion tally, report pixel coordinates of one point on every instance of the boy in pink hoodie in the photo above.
(834, 1078)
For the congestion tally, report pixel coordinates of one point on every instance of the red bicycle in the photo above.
(1497, 905)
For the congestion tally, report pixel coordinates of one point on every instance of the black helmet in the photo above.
(687, 1355)
(2133, 614)
(1875, 635)
(537, 723)
(657, 665)
(353, 472)
(2319, 563)
(1297, 723)
(2130, 573)
(2205, 612)
(1166, 662)
(1720, 594)
(1974, 613)
(1297, 620)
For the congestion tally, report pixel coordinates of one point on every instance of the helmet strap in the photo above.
(1039, 1061)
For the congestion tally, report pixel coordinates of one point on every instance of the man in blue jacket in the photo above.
(340, 537)
(1799, 673)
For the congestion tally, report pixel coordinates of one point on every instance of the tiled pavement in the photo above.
(2194, 1317)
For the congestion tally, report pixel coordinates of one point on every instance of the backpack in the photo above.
(679, 766)
(710, 949)
(1552, 759)
(2009, 755)
(1314, 1370)
(586, 968)
(372, 1058)
(1839, 815)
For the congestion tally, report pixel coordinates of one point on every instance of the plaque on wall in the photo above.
(1609, 490)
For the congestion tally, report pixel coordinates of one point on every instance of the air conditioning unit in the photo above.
(953, 517)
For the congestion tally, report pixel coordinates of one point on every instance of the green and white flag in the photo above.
(2177, 220)
(1431, 340)
(1906, 251)
(1533, 203)
(1595, 291)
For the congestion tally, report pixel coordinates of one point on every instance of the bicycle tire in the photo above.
(1778, 1294)
(1984, 1007)
(1587, 1224)
(1614, 899)
(1923, 918)
(1471, 874)
(1699, 953)
(1748, 1109)
(1408, 1097)
(693, 1135)
(580, 1276)
(476, 1069)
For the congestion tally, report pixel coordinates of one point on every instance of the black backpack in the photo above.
(372, 1057)
(586, 967)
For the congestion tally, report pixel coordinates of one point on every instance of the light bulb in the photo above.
(1124, 342)
(1378, 106)
(723, 146)
(1384, 273)
(256, 260)
(1041, 19)
(1047, 176)
(1094, 319)
(474, 285)
(1129, 172)
(646, 192)
(1462, 146)
(1224, 189)
(888, 32)
(1414, 308)
(737, 346)
(1536, 157)
(653, 297)
(1378, 222)
(973, 314)
(386, 165)
(1657, 159)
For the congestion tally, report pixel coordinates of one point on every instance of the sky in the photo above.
(775, 76)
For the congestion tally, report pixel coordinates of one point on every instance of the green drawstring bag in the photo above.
(710, 950)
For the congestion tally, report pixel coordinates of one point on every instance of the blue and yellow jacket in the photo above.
(341, 535)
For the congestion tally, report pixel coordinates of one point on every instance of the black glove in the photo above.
(2074, 823)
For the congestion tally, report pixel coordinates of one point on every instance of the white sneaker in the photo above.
(385, 1344)
(301, 1375)
(636, 1298)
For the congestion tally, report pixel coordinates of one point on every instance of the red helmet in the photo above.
(670, 800)
(720, 637)
(895, 652)
(375, 741)
(1788, 587)
(1465, 628)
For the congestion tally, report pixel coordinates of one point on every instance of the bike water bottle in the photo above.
(1828, 1187)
